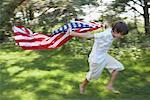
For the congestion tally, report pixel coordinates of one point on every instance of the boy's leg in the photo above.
(112, 79)
(113, 66)
(110, 85)
(83, 85)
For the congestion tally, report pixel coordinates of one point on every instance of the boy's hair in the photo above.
(120, 27)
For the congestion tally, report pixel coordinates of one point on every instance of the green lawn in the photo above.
(53, 75)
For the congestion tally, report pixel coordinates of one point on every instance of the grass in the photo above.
(53, 75)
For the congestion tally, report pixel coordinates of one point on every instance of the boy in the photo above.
(99, 58)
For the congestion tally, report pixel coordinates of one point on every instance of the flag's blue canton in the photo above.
(72, 25)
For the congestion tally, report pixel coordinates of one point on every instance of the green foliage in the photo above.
(78, 46)
(131, 53)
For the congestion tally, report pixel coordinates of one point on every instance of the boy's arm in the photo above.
(83, 35)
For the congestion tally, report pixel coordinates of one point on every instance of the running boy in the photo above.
(99, 58)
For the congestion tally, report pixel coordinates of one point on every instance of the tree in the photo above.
(120, 5)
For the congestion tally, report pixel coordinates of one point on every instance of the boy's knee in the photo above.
(90, 77)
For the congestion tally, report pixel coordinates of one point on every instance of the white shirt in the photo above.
(102, 42)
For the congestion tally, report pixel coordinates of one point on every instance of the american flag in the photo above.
(28, 40)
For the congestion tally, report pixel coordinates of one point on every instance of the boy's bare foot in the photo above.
(81, 89)
(113, 89)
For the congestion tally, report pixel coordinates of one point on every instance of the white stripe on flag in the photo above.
(31, 33)
(84, 29)
(37, 36)
(40, 36)
(20, 37)
(29, 44)
(16, 29)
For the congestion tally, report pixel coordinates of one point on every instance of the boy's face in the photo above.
(117, 35)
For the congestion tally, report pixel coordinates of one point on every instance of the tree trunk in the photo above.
(146, 18)
(7, 11)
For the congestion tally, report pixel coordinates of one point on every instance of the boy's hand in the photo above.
(69, 31)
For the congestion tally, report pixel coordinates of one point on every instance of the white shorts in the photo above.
(109, 63)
